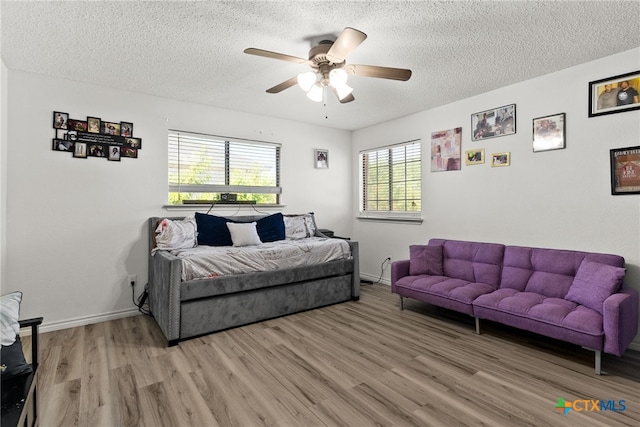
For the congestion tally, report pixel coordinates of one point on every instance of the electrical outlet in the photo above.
(133, 279)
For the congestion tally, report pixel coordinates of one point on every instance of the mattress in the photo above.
(205, 262)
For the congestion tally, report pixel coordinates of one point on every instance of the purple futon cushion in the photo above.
(425, 260)
(595, 282)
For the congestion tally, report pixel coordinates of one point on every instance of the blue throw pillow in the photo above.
(212, 230)
(271, 228)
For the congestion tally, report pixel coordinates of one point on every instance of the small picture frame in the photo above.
(625, 170)
(615, 94)
(321, 158)
(60, 120)
(61, 145)
(493, 123)
(549, 133)
(94, 124)
(97, 150)
(80, 150)
(126, 129)
(446, 150)
(500, 159)
(135, 143)
(129, 152)
(114, 153)
(109, 128)
(474, 157)
(77, 125)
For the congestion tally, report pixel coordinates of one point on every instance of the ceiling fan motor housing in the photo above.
(320, 62)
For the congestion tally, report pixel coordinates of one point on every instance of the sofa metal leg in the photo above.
(477, 325)
(598, 362)
(401, 303)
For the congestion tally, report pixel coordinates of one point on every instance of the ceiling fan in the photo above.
(328, 62)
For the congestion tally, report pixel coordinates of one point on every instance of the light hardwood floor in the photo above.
(355, 364)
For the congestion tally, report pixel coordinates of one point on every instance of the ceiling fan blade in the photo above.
(276, 55)
(347, 41)
(284, 85)
(379, 72)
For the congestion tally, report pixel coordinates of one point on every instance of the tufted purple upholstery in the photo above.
(526, 288)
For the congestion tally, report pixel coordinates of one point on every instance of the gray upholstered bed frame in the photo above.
(188, 309)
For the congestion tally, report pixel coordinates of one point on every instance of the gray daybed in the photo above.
(186, 309)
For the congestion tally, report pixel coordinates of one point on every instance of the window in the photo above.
(391, 181)
(202, 167)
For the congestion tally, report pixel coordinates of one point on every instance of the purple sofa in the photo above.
(573, 296)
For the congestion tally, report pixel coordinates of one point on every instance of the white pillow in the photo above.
(177, 234)
(244, 234)
(9, 313)
(299, 226)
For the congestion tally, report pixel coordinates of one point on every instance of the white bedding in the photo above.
(204, 262)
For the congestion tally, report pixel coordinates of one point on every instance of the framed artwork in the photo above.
(61, 145)
(625, 170)
(93, 124)
(321, 158)
(126, 129)
(549, 133)
(109, 128)
(614, 94)
(446, 150)
(129, 152)
(60, 120)
(114, 153)
(80, 150)
(474, 157)
(493, 123)
(97, 150)
(77, 125)
(134, 142)
(500, 159)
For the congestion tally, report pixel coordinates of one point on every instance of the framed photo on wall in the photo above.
(474, 157)
(614, 94)
(500, 159)
(625, 170)
(493, 123)
(126, 129)
(549, 133)
(60, 120)
(321, 158)
(93, 124)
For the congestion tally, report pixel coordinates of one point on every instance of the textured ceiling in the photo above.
(193, 51)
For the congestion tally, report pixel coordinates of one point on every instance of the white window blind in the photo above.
(391, 181)
(201, 167)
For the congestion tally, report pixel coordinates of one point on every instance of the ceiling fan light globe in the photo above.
(306, 80)
(338, 77)
(315, 93)
(343, 91)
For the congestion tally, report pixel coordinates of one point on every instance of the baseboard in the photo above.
(82, 321)
(374, 279)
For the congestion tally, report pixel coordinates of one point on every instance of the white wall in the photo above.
(3, 172)
(554, 199)
(77, 227)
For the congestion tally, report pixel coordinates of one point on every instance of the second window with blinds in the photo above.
(202, 168)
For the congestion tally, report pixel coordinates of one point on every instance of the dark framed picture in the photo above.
(114, 153)
(500, 159)
(493, 123)
(321, 158)
(60, 120)
(97, 150)
(80, 150)
(126, 129)
(474, 157)
(129, 152)
(614, 94)
(109, 128)
(446, 148)
(549, 133)
(77, 125)
(133, 142)
(625, 170)
(61, 145)
(93, 124)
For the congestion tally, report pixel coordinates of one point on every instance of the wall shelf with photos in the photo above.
(94, 138)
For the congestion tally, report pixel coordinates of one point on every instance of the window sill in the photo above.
(234, 206)
(391, 219)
